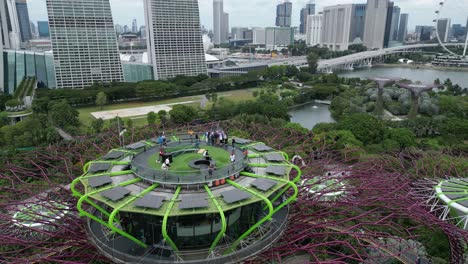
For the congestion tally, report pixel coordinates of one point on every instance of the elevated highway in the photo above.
(357, 59)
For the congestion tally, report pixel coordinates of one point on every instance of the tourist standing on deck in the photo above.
(233, 157)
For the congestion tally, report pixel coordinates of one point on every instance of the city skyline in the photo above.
(261, 13)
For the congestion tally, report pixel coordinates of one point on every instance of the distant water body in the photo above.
(426, 76)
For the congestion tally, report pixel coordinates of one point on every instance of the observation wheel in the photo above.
(443, 5)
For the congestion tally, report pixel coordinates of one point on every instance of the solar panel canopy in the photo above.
(113, 155)
(264, 184)
(274, 157)
(116, 193)
(235, 195)
(262, 147)
(276, 170)
(136, 145)
(99, 167)
(99, 181)
(150, 201)
(193, 202)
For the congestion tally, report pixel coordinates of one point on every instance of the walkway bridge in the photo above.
(360, 59)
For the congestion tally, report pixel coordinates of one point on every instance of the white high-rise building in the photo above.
(134, 26)
(220, 23)
(337, 26)
(258, 36)
(9, 23)
(175, 38)
(84, 43)
(314, 29)
(376, 24)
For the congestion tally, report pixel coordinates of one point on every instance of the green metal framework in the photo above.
(169, 209)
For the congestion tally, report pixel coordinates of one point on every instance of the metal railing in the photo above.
(151, 174)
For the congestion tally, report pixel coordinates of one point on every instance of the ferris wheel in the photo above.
(443, 5)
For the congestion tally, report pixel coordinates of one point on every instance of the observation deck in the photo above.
(190, 213)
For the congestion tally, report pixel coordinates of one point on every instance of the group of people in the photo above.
(216, 137)
(164, 159)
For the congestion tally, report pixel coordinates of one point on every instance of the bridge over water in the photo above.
(365, 58)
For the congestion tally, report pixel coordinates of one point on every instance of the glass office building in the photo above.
(18, 64)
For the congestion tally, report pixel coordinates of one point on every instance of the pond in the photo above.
(310, 114)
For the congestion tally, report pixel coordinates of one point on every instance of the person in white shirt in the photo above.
(167, 163)
(233, 157)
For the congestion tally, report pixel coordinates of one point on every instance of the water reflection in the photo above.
(310, 114)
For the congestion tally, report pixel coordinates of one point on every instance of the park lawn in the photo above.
(180, 163)
(86, 118)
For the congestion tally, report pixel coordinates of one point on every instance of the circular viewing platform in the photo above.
(188, 164)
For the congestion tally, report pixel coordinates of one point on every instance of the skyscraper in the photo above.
(134, 26)
(342, 24)
(403, 28)
(118, 29)
(2, 79)
(358, 23)
(23, 20)
(443, 29)
(43, 29)
(9, 24)
(238, 32)
(395, 23)
(175, 38)
(220, 23)
(314, 29)
(376, 26)
(309, 9)
(283, 14)
(83, 42)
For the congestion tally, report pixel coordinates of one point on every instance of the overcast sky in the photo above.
(262, 12)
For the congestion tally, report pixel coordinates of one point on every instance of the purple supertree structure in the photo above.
(349, 210)
(415, 90)
(381, 83)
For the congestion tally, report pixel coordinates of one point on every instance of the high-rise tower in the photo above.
(283, 14)
(403, 28)
(377, 25)
(220, 23)
(23, 20)
(395, 23)
(175, 39)
(84, 43)
(309, 9)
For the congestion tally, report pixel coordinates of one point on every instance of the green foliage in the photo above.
(13, 103)
(4, 120)
(41, 105)
(97, 125)
(454, 106)
(297, 127)
(312, 61)
(455, 127)
(183, 114)
(3, 99)
(324, 127)
(436, 244)
(390, 145)
(401, 136)
(357, 48)
(33, 131)
(151, 118)
(101, 99)
(130, 123)
(365, 128)
(63, 115)
(341, 139)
